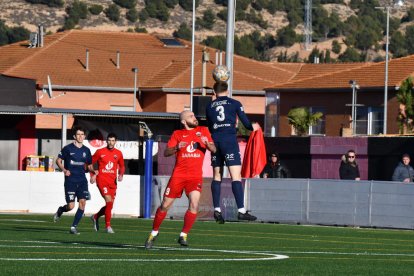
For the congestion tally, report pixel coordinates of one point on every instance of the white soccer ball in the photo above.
(221, 73)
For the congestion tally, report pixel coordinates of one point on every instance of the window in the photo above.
(171, 42)
(369, 120)
(319, 128)
(272, 114)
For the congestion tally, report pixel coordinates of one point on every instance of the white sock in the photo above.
(217, 209)
(182, 234)
(154, 233)
(242, 210)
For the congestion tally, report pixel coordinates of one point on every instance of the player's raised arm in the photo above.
(243, 117)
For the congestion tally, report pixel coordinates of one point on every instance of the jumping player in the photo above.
(222, 116)
(189, 146)
(73, 160)
(110, 167)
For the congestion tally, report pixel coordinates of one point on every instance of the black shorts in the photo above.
(77, 190)
(228, 152)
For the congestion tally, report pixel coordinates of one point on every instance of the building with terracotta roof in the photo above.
(326, 88)
(79, 72)
(100, 63)
(88, 75)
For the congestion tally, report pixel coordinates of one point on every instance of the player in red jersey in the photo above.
(189, 146)
(111, 169)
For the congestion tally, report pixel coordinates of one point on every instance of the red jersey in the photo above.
(189, 159)
(109, 161)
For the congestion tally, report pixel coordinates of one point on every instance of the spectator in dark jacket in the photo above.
(274, 169)
(403, 172)
(349, 168)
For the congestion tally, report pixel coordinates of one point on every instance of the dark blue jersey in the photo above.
(76, 161)
(222, 116)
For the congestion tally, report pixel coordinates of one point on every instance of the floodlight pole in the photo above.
(192, 58)
(387, 42)
(388, 7)
(231, 7)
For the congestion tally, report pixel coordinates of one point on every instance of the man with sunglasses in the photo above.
(349, 169)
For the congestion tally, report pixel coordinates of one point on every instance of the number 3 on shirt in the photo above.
(222, 115)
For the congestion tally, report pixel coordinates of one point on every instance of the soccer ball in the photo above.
(221, 73)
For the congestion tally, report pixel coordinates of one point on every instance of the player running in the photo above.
(110, 169)
(222, 116)
(189, 146)
(73, 160)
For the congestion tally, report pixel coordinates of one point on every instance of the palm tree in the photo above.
(301, 119)
(406, 101)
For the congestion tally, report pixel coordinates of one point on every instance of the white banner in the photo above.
(129, 149)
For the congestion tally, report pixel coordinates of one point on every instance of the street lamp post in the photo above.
(231, 8)
(135, 70)
(192, 57)
(390, 5)
(354, 87)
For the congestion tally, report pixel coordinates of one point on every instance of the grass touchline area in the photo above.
(32, 244)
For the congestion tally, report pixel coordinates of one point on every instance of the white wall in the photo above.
(43, 192)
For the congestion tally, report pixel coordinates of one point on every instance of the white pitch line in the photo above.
(267, 256)
(23, 220)
(133, 247)
(344, 253)
(47, 242)
(275, 257)
(70, 247)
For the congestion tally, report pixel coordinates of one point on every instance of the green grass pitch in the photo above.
(34, 245)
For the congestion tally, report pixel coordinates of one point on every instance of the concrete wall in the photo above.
(333, 202)
(43, 192)
(305, 201)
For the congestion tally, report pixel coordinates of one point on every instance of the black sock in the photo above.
(61, 210)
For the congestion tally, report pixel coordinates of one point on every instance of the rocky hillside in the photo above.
(22, 13)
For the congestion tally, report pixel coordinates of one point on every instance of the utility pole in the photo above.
(308, 25)
(391, 4)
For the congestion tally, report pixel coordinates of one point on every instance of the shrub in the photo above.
(128, 4)
(218, 42)
(143, 15)
(132, 15)
(95, 9)
(70, 23)
(157, 9)
(49, 3)
(78, 10)
(183, 32)
(336, 47)
(112, 12)
(11, 35)
(222, 15)
(188, 4)
(140, 30)
(208, 19)
(286, 37)
(171, 3)
(16, 34)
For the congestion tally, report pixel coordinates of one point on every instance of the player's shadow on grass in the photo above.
(95, 243)
(112, 245)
